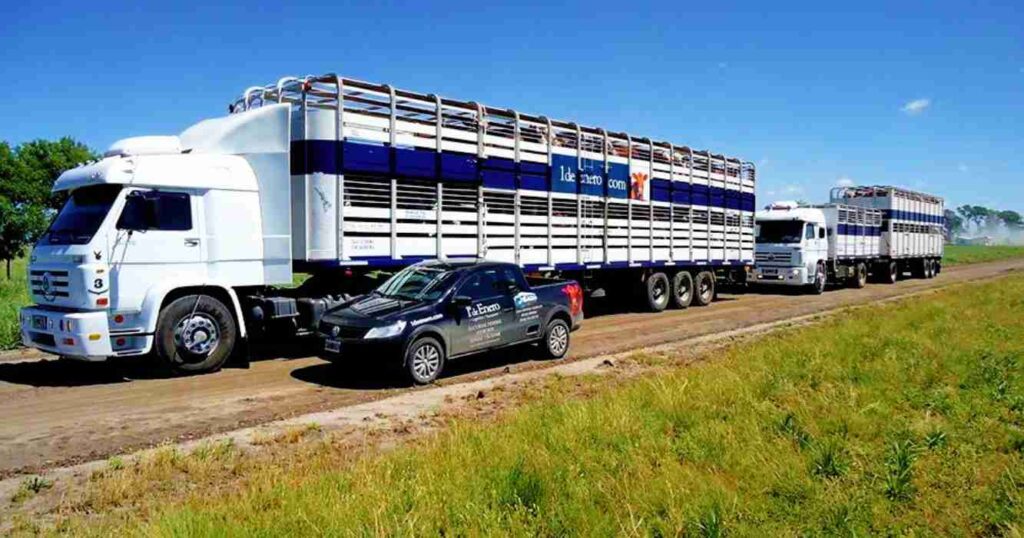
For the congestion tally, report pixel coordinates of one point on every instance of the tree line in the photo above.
(27, 204)
(983, 219)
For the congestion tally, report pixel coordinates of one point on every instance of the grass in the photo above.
(906, 418)
(13, 296)
(965, 254)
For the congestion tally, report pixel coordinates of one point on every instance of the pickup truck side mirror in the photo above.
(462, 300)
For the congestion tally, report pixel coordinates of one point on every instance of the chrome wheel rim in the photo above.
(198, 335)
(705, 289)
(426, 361)
(660, 291)
(558, 341)
(684, 289)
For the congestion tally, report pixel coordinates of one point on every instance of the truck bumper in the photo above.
(781, 276)
(80, 335)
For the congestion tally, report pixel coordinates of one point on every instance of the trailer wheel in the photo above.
(424, 360)
(892, 273)
(938, 267)
(556, 339)
(195, 334)
(682, 289)
(860, 276)
(820, 276)
(656, 292)
(705, 288)
(920, 268)
(929, 268)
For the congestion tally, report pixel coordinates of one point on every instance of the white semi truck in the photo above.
(178, 245)
(879, 231)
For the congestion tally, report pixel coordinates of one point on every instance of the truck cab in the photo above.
(154, 241)
(791, 246)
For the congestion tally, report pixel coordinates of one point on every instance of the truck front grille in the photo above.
(49, 284)
(779, 258)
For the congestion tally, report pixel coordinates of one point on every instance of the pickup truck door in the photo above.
(488, 320)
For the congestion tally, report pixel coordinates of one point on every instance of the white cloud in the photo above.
(844, 182)
(916, 106)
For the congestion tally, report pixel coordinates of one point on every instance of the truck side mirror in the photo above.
(138, 213)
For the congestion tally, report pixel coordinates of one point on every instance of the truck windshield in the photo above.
(81, 215)
(779, 231)
(418, 283)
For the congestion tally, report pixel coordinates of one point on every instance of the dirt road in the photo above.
(58, 413)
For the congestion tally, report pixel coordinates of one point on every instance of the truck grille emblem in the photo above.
(46, 288)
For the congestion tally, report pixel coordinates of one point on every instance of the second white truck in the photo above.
(878, 231)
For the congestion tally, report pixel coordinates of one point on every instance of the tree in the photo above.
(954, 224)
(27, 173)
(1011, 219)
(20, 226)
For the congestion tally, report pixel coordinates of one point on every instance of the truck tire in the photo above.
(656, 292)
(891, 272)
(704, 288)
(929, 268)
(682, 289)
(820, 277)
(938, 267)
(920, 269)
(556, 339)
(424, 360)
(195, 334)
(860, 276)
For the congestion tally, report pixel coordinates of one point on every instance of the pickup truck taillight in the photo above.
(575, 295)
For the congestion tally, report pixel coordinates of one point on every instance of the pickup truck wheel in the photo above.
(860, 276)
(682, 289)
(556, 339)
(704, 285)
(195, 334)
(656, 292)
(424, 360)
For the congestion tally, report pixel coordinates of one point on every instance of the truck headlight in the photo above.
(386, 331)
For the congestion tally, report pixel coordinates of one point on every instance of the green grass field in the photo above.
(964, 254)
(900, 419)
(13, 295)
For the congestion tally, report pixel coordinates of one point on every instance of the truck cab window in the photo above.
(809, 231)
(480, 285)
(821, 233)
(81, 215)
(165, 211)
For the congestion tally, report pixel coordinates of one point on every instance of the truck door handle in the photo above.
(191, 241)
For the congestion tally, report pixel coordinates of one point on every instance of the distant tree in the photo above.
(27, 173)
(954, 224)
(1011, 219)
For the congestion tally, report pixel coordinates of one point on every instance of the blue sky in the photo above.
(927, 95)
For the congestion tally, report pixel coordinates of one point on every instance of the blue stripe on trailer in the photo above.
(330, 157)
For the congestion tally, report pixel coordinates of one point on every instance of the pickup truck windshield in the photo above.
(418, 283)
(779, 231)
(81, 215)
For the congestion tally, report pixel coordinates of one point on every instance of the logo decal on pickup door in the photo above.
(482, 309)
(524, 298)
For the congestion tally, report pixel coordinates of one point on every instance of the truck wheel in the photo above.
(705, 288)
(920, 269)
(892, 273)
(860, 276)
(682, 289)
(929, 268)
(556, 339)
(656, 292)
(938, 267)
(424, 360)
(195, 334)
(818, 286)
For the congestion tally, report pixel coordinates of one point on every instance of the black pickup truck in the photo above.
(438, 310)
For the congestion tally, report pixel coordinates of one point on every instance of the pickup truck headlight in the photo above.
(387, 331)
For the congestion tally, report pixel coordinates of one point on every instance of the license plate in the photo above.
(770, 271)
(39, 323)
(332, 345)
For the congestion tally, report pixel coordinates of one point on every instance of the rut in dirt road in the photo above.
(57, 413)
